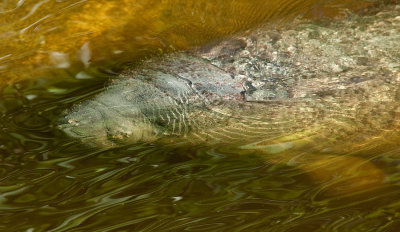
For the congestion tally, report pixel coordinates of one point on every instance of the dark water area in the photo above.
(49, 182)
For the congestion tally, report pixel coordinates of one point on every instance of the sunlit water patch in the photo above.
(36, 36)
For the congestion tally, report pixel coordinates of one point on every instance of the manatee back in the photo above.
(206, 80)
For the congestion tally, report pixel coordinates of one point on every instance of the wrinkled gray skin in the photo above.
(322, 84)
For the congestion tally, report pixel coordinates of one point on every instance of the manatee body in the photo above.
(172, 98)
(320, 83)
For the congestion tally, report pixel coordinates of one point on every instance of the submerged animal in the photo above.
(325, 83)
(325, 89)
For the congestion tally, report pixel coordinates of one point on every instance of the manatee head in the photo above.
(97, 124)
(83, 123)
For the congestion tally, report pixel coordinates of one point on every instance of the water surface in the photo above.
(63, 52)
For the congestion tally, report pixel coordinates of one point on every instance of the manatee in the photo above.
(322, 83)
(302, 95)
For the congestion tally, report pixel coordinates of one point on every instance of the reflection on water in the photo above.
(49, 184)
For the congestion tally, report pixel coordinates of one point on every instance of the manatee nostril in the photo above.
(73, 122)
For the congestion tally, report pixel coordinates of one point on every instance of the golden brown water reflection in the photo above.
(52, 183)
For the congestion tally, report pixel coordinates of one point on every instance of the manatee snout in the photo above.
(100, 124)
(83, 123)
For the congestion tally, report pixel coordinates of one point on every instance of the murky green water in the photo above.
(49, 182)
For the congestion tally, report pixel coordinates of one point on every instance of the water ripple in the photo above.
(51, 183)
